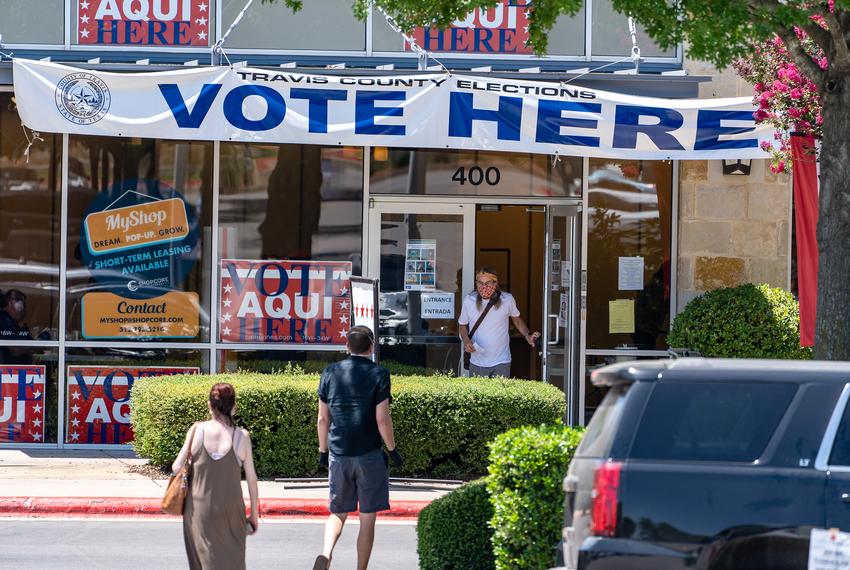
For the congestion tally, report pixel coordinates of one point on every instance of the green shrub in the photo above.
(454, 531)
(527, 468)
(748, 321)
(442, 424)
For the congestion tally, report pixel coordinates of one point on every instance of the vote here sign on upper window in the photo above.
(144, 22)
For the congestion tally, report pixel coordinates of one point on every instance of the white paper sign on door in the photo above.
(829, 549)
(438, 305)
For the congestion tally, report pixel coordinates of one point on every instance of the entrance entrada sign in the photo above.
(410, 111)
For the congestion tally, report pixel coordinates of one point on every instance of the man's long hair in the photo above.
(497, 296)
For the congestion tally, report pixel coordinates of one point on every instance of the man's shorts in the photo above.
(362, 480)
(503, 370)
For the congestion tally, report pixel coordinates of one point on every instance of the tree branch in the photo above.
(820, 36)
(842, 54)
(801, 59)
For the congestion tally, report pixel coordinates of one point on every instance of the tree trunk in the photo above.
(832, 332)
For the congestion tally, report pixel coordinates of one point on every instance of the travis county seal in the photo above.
(82, 98)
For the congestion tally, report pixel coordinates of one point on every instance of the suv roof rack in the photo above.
(628, 372)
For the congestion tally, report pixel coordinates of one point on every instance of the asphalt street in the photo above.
(152, 544)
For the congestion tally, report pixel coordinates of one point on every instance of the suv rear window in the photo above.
(599, 436)
(710, 421)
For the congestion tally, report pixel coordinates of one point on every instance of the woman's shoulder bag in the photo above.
(178, 484)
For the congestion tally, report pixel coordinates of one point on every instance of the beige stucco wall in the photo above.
(733, 229)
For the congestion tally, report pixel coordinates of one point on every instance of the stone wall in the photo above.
(733, 229)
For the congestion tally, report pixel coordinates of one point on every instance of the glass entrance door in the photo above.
(423, 255)
(562, 295)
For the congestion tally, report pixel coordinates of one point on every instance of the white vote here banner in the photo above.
(434, 110)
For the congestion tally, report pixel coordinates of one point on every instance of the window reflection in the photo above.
(472, 173)
(299, 202)
(29, 229)
(630, 209)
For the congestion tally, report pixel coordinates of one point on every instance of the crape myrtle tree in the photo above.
(722, 32)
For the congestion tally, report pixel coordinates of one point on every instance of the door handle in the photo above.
(845, 497)
(557, 331)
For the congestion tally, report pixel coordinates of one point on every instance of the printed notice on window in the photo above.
(621, 316)
(420, 265)
(630, 275)
(829, 549)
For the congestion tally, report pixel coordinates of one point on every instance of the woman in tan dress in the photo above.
(214, 522)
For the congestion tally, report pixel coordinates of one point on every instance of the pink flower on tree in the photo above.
(786, 99)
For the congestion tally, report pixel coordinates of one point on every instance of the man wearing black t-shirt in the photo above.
(354, 417)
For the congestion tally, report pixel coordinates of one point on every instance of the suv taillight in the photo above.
(603, 514)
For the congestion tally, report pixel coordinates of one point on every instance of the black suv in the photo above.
(710, 464)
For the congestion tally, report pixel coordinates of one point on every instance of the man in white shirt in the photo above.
(489, 347)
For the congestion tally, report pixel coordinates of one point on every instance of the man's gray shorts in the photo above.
(503, 370)
(362, 480)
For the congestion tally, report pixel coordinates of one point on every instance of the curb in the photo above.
(150, 507)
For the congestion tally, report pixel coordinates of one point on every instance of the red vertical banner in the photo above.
(22, 404)
(806, 219)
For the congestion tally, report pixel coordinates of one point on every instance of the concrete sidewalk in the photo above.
(65, 482)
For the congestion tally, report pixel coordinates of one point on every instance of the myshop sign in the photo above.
(418, 111)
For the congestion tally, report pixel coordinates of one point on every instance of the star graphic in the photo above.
(36, 409)
(36, 422)
(343, 319)
(84, 19)
(225, 331)
(343, 333)
(75, 395)
(344, 305)
(75, 422)
(227, 302)
(343, 292)
(75, 409)
(36, 395)
(202, 7)
(84, 33)
(36, 436)
(202, 21)
(75, 436)
(202, 35)
(84, 5)
(228, 288)
(226, 317)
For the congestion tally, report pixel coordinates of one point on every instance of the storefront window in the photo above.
(98, 383)
(628, 253)
(140, 212)
(291, 202)
(41, 22)
(610, 34)
(29, 230)
(323, 25)
(28, 381)
(472, 173)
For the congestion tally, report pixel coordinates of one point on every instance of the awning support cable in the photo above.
(218, 47)
(2, 53)
(635, 47)
(423, 54)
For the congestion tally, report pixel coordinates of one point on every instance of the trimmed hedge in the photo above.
(527, 469)
(453, 531)
(442, 424)
(749, 321)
